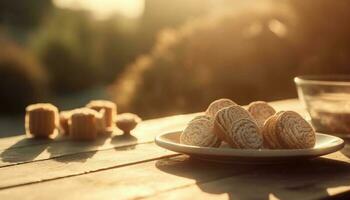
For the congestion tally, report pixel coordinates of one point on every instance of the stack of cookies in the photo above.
(257, 127)
(87, 123)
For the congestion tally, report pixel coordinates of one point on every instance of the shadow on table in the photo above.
(83, 150)
(20, 151)
(76, 151)
(125, 139)
(298, 180)
(61, 149)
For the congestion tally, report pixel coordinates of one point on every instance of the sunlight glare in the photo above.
(103, 9)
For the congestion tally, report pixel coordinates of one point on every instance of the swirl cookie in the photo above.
(226, 117)
(199, 132)
(201, 117)
(269, 133)
(288, 130)
(260, 111)
(245, 134)
(217, 105)
(41, 119)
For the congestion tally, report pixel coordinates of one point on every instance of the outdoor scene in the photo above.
(159, 58)
(174, 99)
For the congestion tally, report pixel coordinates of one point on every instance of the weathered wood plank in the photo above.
(20, 141)
(144, 133)
(186, 178)
(125, 182)
(318, 179)
(78, 164)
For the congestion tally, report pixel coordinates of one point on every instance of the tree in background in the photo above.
(23, 16)
(23, 80)
(251, 53)
(65, 45)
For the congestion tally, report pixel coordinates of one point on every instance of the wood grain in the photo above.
(182, 178)
(128, 182)
(77, 164)
(144, 133)
(316, 179)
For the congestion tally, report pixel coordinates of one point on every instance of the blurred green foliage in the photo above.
(23, 15)
(79, 52)
(23, 80)
(65, 45)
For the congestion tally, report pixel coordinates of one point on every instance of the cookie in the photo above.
(41, 119)
(217, 105)
(110, 111)
(294, 131)
(226, 117)
(269, 133)
(201, 117)
(86, 124)
(64, 122)
(288, 130)
(245, 134)
(260, 111)
(199, 132)
(127, 122)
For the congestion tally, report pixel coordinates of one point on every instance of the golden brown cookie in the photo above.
(226, 117)
(41, 119)
(86, 124)
(201, 117)
(288, 130)
(64, 122)
(260, 111)
(269, 133)
(199, 132)
(294, 131)
(217, 105)
(245, 134)
(127, 122)
(110, 111)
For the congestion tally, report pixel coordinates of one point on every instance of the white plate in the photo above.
(325, 144)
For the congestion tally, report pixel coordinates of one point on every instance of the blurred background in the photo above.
(158, 58)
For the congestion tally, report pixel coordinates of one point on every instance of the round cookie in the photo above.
(294, 131)
(199, 132)
(226, 117)
(217, 105)
(245, 134)
(260, 111)
(269, 133)
(127, 122)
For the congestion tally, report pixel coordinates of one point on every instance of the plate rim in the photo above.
(249, 153)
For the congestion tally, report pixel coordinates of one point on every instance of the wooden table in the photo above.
(133, 167)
